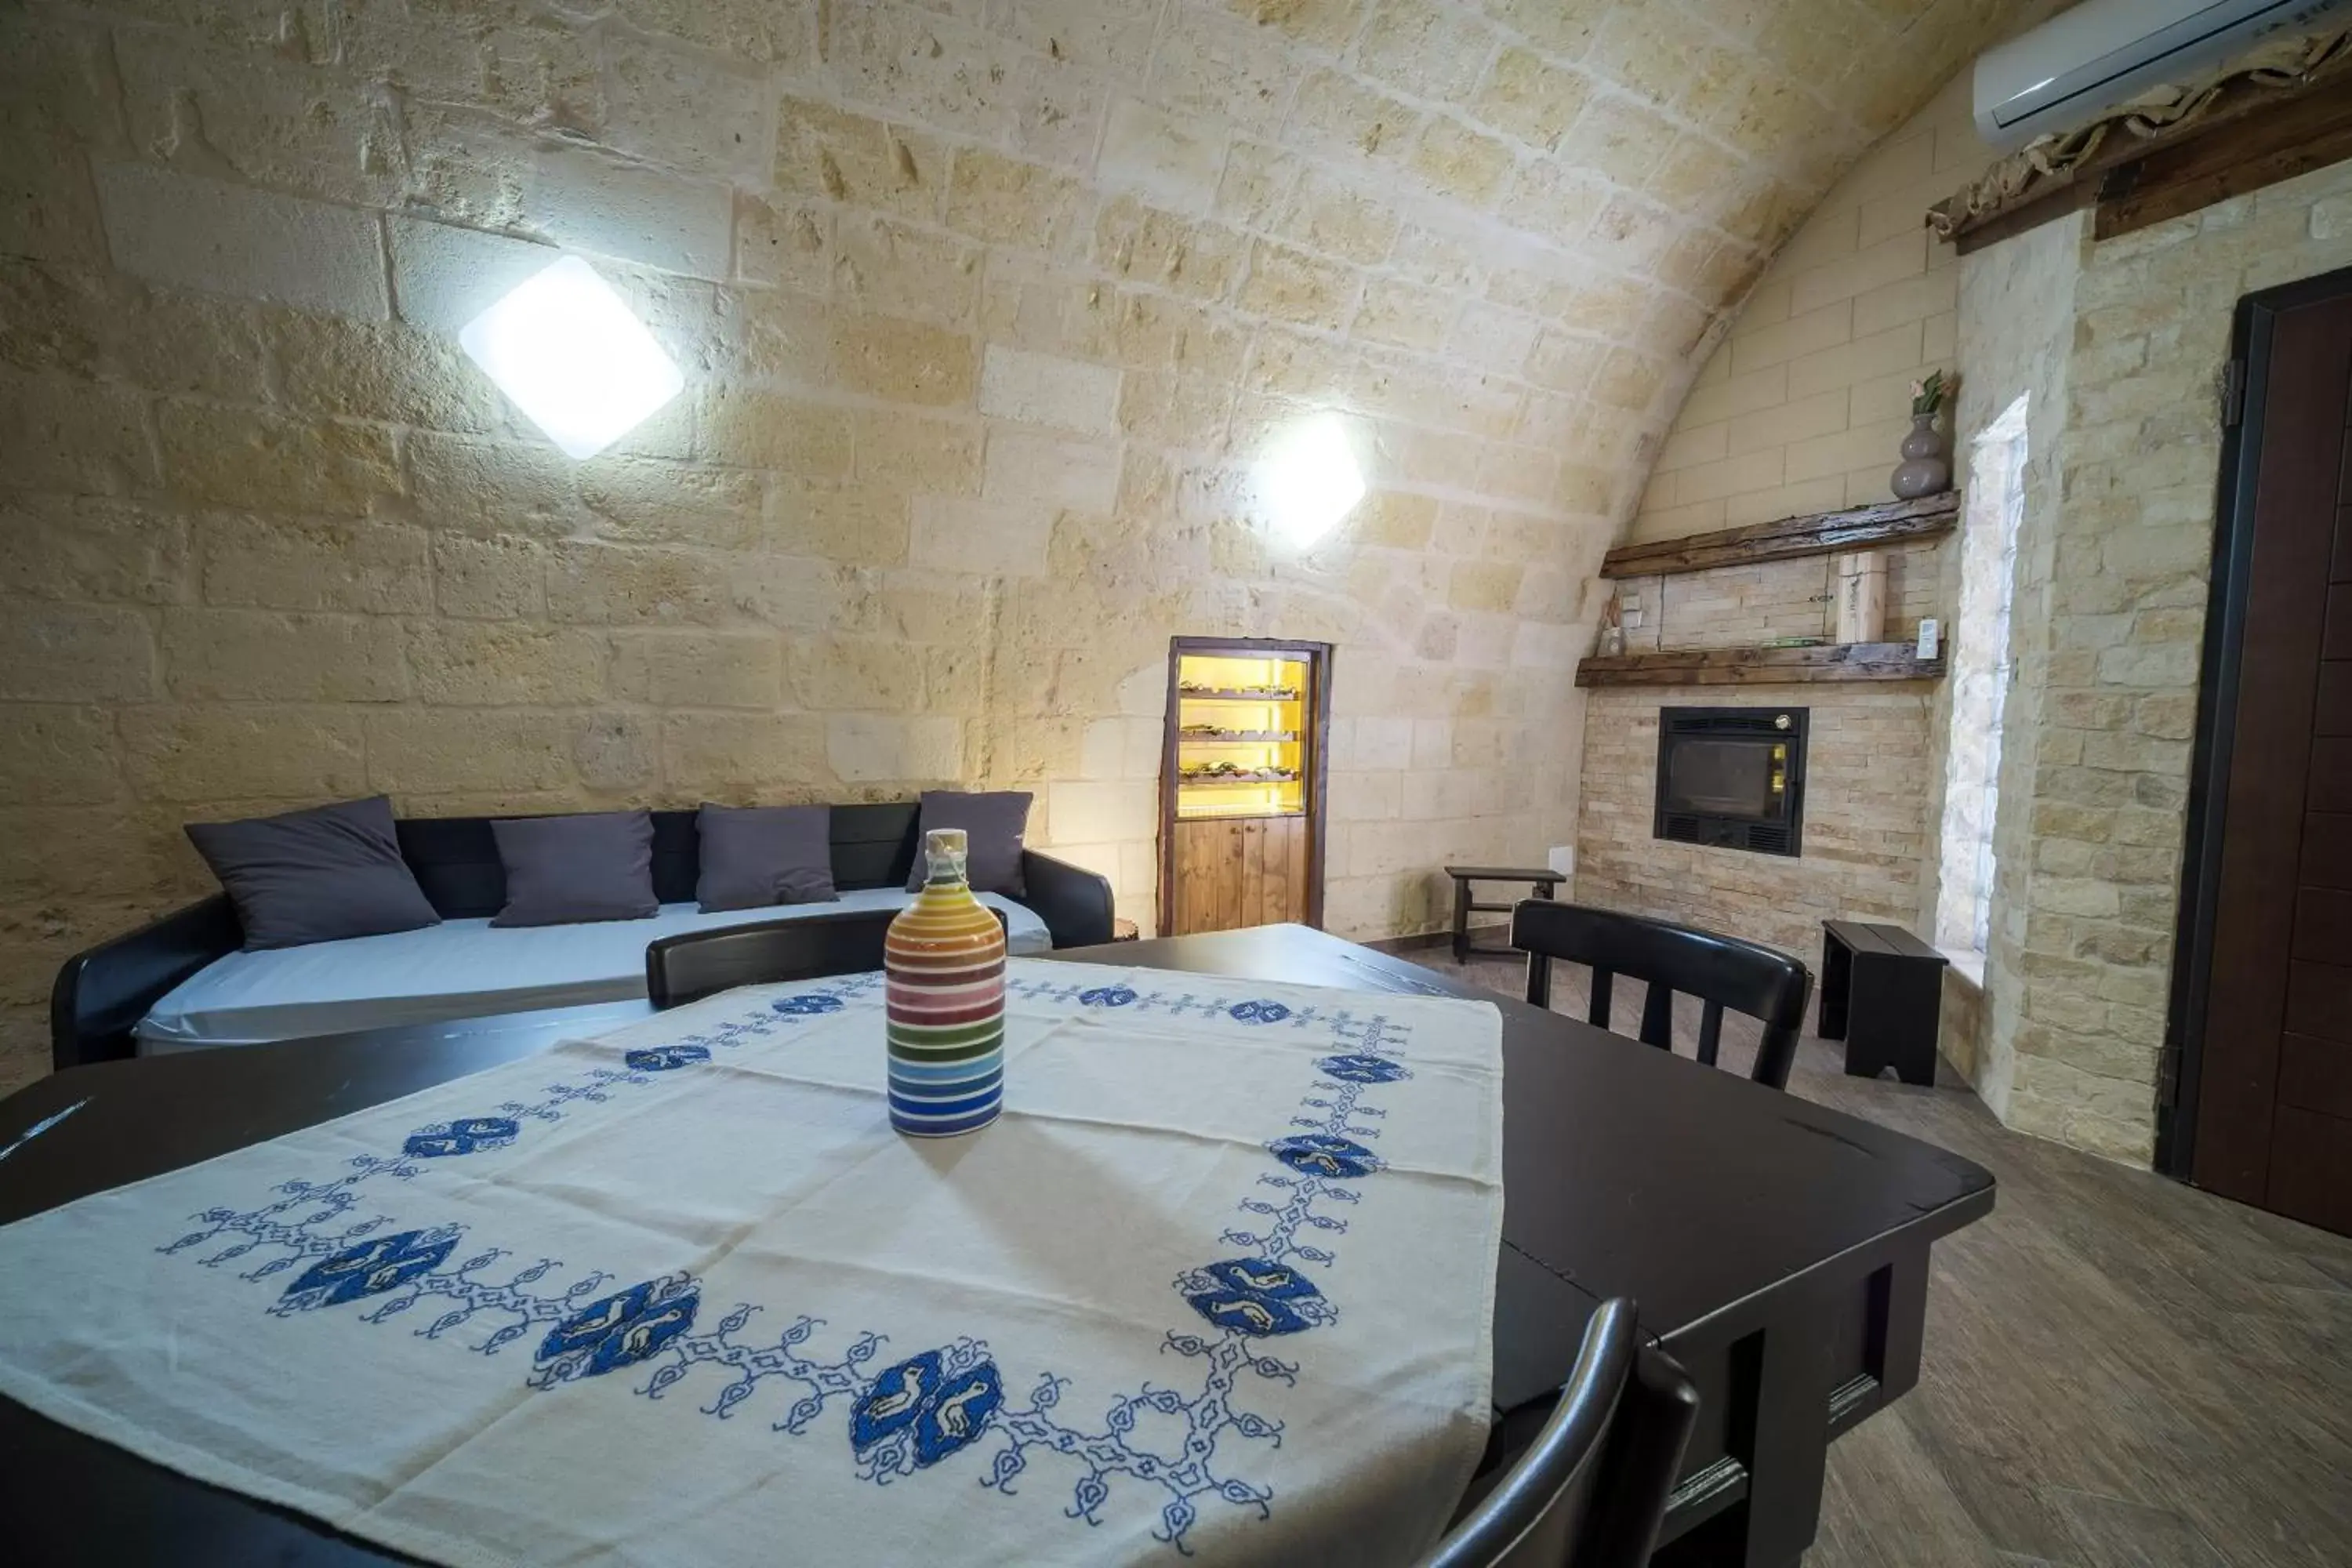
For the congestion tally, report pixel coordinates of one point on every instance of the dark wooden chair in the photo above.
(1591, 1491)
(682, 969)
(1721, 971)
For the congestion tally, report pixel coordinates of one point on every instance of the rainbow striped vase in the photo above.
(944, 959)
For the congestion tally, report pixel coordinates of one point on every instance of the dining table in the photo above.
(1777, 1249)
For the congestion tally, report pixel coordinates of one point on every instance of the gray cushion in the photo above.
(753, 857)
(992, 822)
(315, 875)
(563, 870)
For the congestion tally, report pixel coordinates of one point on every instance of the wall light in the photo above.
(1308, 481)
(566, 349)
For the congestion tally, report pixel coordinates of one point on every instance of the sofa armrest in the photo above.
(1074, 903)
(104, 992)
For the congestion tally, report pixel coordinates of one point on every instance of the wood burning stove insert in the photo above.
(1733, 778)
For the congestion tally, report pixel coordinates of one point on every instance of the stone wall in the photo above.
(2017, 335)
(1740, 606)
(1800, 409)
(2119, 345)
(1864, 833)
(2118, 655)
(1802, 406)
(986, 310)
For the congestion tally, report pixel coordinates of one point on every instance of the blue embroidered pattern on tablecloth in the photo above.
(923, 1409)
(918, 1411)
(369, 1268)
(443, 1139)
(808, 1006)
(1255, 1296)
(667, 1058)
(466, 1135)
(620, 1330)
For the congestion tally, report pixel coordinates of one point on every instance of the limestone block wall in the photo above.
(2119, 345)
(1740, 606)
(2017, 338)
(986, 310)
(2119, 651)
(1802, 407)
(1864, 834)
(1798, 410)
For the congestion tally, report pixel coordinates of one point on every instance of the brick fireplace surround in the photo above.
(1869, 774)
(1866, 799)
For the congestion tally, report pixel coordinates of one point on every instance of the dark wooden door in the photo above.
(2274, 1118)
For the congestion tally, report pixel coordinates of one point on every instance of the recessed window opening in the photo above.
(1979, 665)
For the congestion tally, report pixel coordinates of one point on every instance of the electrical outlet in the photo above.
(1562, 857)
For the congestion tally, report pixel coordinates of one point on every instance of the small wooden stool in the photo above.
(1883, 994)
(1541, 879)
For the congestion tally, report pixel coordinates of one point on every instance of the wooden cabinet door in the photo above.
(1246, 871)
(1208, 868)
(1253, 878)
(1281, 893)
(1232, 876)
(1190, 864)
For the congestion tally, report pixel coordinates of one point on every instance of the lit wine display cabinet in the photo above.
(1242, 784)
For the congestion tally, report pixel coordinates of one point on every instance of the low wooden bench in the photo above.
(1541, 882)
(1883, 994)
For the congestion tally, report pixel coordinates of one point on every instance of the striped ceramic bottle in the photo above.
(945, 962)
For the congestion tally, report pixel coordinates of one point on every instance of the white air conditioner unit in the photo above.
(2064, 72)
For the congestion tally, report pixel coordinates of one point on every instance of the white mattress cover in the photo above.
(461, 969)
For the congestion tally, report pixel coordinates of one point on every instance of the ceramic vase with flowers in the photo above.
(1925, 470)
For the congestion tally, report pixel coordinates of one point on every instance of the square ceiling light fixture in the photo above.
(568, 351)
(1308, 481)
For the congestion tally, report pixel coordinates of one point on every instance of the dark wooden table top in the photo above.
(1632, 1172)
(1626, 1172)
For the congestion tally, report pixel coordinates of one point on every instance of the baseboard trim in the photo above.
(1421, 941)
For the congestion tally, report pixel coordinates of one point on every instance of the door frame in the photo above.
(2245, 391)
(1317, 711)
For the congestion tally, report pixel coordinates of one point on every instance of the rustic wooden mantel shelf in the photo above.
(1760, 666)
(1819, 533)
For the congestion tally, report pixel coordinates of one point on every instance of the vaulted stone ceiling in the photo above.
(987, 308)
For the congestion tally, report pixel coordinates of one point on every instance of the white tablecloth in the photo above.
(1221, 1279)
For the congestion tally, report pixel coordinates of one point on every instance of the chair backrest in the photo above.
(1644, 1459)
(1591, 1491)
(1721, 971)
(682, 969)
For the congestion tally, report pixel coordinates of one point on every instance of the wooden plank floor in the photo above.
(2121, 1372)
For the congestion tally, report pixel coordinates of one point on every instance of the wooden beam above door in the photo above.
(2292, 137)
(2242, 130)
